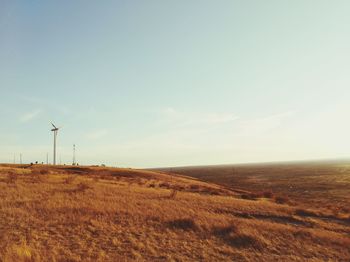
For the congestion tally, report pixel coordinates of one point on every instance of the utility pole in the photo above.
(74, 155)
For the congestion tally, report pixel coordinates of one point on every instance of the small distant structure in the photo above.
(55, 131)
(74, 160)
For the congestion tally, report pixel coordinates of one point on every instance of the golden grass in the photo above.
(101, 214)
(324, 185)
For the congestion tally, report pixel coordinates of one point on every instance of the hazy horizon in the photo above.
(156, 84)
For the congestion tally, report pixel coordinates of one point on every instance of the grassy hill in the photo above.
(319, 184)
(107, 214)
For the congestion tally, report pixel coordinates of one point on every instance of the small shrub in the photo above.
(231, 236)
(140, 181)
(43, 171)
(224, 231)
(214, 193)
(303, 234)
(249, 196)
(304, 212)
(164, 185)
(82, 187)
(245, 241)
(194, 187)
(37, 179)
(244, 196)
(282, 200)
(183, 224)
(105, 176)
(11, 177)
(70, 179)
(257, 195)
(268, 194)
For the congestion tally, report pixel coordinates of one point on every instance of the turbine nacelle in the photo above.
(55, 128)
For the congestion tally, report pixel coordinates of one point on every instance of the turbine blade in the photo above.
(53, 125)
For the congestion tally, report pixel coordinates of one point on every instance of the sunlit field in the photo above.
(322, 185)
(106, 214)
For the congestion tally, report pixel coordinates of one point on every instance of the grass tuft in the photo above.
(282, 200)
(173, 194)
(183, 224)
(11, 177)
(82, 187)
(70, 179)
(19, 253)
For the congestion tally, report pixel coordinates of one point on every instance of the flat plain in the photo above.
(66, 213)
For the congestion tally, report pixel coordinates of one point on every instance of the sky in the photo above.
(174, 83)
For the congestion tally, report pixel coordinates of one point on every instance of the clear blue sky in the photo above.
(167, 83)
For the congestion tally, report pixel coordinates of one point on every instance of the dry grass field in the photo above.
(321, 185)
(69, 213)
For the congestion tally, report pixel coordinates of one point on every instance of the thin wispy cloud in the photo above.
(27, 117)
(47, 104)
(181, 118)
(265, 123)
(214, 118)
(96, 134)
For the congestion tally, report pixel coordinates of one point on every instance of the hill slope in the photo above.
(107, 214)
(318, 184)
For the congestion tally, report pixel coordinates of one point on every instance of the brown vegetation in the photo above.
(101, 214)
(323, 185)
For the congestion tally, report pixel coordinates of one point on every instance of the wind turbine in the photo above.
(74, 155)
(55, 131)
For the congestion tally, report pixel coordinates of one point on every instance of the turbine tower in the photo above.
(55, 131)
(74, 155)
